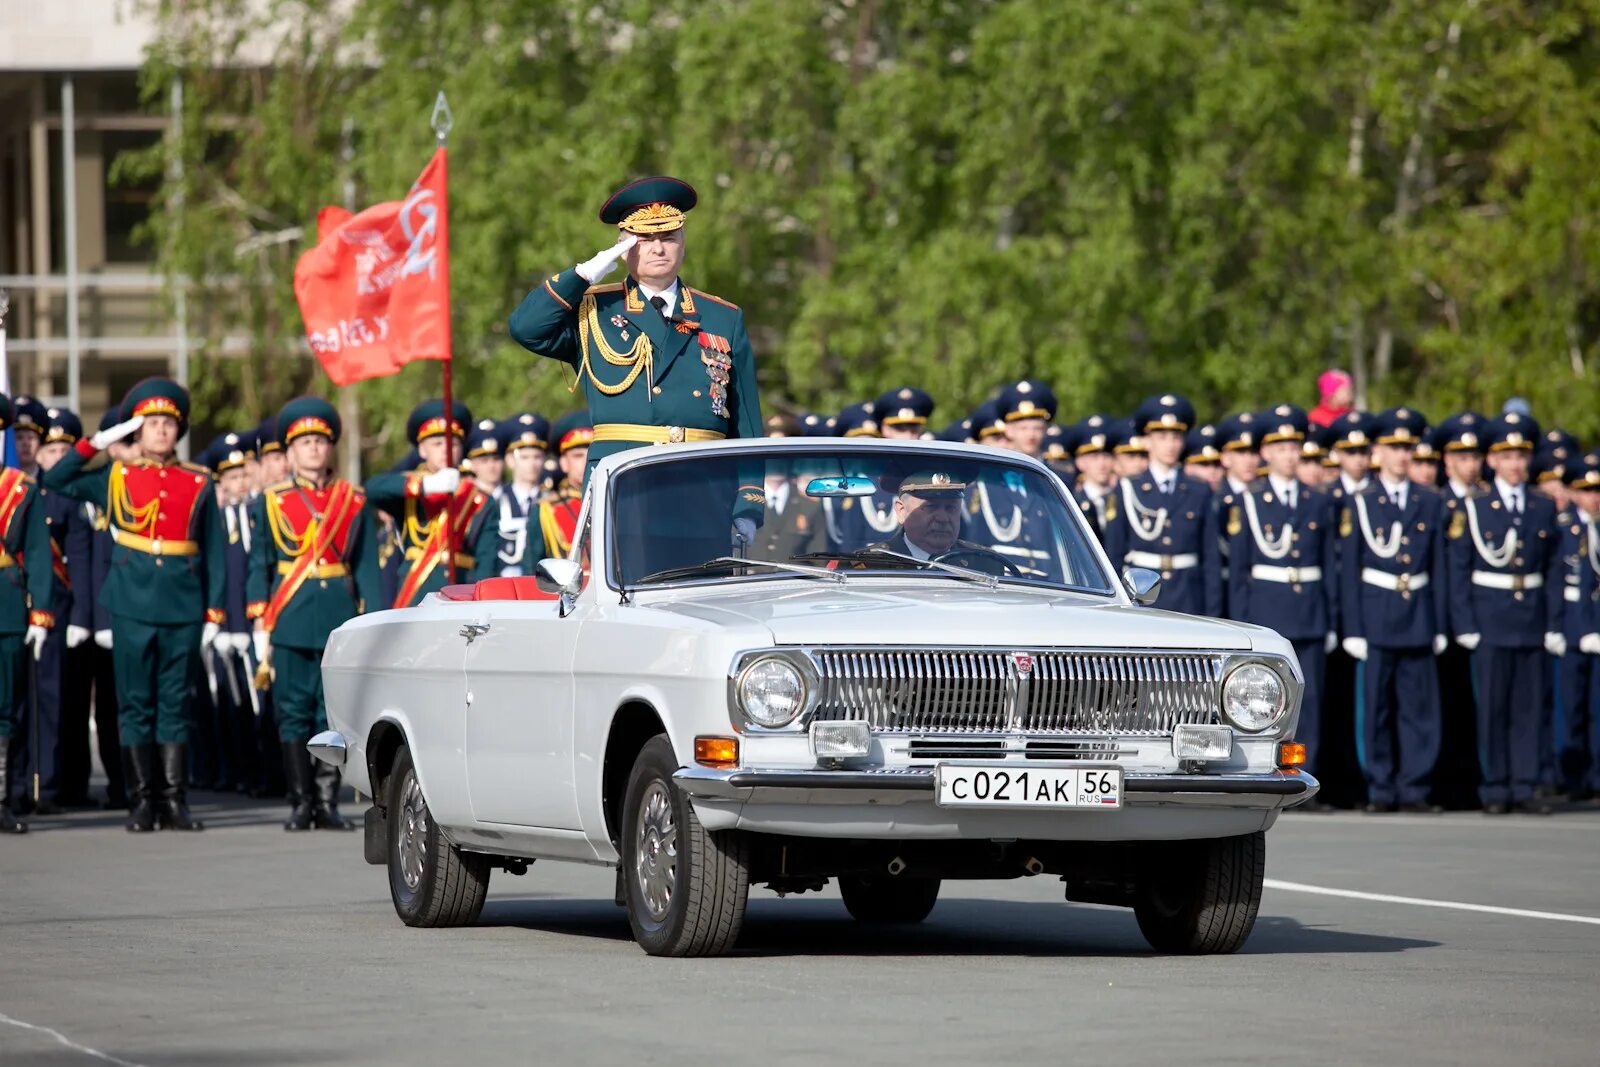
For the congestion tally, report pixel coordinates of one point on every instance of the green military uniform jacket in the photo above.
(25, 572)
(478, 527)
(322, 599)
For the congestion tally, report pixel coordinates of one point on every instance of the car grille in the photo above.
(1041, 692)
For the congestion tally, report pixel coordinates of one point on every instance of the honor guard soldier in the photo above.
(560, 507)
(1164, 519)
(25, 616)
(69, 548)
(1352, 447)
(795, 525)
(272, 464)
(1505, 582)
(1547, 476)
(1202, 456)
(1425, 463)
(1057, 456)
(228, 668)
(527, 442)
(314, 566)
(106, 707)
(1090, 443)
(1393, 555)
(988, 427)
(1129, 459)
(1580, 604)
(1237, 437)
(658, 361)
(418, 500)
(1313, 452)
(1001, 515)
(902, 414)
(486, 457)
(1281, 562)
(165, 591)
(1459, 442)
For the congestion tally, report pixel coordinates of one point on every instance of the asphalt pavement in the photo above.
(246, 945)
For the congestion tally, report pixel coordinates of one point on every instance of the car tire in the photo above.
(888, 901)
(686, 886)
(433, 883)
(1201, 897)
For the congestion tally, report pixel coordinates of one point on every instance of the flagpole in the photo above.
(441, 122)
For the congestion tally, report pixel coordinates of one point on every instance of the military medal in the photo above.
(719, 368)
(620, 323)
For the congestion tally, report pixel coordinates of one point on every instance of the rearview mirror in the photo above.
(843, 485)
(560, 576)
(1143, 585)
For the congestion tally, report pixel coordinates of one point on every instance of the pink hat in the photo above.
(1331, 381)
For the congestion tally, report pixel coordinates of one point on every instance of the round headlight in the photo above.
(1253, 697)
(772, 692)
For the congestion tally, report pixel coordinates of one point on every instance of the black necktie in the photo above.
(660, 304)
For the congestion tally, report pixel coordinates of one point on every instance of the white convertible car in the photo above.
(922, 667)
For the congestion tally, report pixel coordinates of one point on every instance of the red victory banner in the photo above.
(375, 291)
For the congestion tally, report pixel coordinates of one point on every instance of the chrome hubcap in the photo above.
(656, 853)
(413, 834)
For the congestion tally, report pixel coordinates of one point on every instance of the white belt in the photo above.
(1514, 582)
(1395, 583)
(1181, 562)
(1572, 594)
(1288, 575)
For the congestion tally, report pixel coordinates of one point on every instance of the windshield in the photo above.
(904, 511)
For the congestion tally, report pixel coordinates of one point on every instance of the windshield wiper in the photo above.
(729, 562)
(990, 580)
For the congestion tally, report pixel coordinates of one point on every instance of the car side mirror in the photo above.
(560, 576)
(1143, 585)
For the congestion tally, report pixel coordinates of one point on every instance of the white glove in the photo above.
(76, 635)
(1440, 643)
(441, 482)
(260, 639)
(1331, 643)
(1356, 648)
(1467, 641)
(1589, 643)
(222, 646)
(112, 434)
(208, 634)
(240, 642)
(35, 638)
(744, 530)
(1555, 644)
(103, 638)
(592, 270)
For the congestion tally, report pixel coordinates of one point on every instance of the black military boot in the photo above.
(174, 808)
(325, 803)
(139, 763)
(9, 823)
(297, 775)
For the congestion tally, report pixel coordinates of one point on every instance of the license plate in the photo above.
(977, 786)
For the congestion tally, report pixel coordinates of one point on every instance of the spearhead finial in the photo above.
(5, 305)
(442, 119)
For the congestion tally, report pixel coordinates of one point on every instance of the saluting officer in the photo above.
(419, 500)
(1580, 596)
(1281, 562)
(1393, 556)
(165, 591)
(527, 442)
(25, 616)
(1001, 514)
(1164, 520)
(560, 507)
(1505, 570)
(658, 361)
(314, 566)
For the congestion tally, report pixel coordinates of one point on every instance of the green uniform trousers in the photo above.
(297, 696)
(13, 684)
(154, 665)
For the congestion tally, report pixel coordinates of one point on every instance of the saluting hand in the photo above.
(112, 434)
(441, 481)
(592, 270)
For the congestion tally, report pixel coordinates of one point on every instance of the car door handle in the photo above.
(474, 629)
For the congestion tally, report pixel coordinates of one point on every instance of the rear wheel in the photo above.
(686, 887)
(432, 883)
(895, 901)
(1201, 897)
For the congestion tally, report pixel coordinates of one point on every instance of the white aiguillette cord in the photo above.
(1496, 558)
(1380, 548)
(1271, 549)
(1007, 533)
(1137, 514)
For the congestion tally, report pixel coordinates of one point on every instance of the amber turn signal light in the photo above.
(1291, 754)
(716, 751)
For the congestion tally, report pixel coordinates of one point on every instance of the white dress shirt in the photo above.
(1288, 490)
(778, 496)
(1166, 477)
(1512, 495)
(669, 294)
(1397, 492)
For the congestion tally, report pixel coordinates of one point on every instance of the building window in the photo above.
(128, 200)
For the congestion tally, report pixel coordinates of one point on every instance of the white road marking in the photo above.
(1424, 902)
(68, 1042)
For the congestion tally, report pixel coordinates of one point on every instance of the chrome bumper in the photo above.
(1266, 792)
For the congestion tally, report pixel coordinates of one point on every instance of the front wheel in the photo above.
(432, 882)
(891, 901)
(1201, 897)
(686, 887)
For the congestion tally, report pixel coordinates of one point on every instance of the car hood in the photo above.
(938, 612)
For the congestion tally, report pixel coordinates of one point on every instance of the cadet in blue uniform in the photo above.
(658, 361)
(25, 618)
(1505, 571)
(1164, 519)
(1547, 478)
(1281, 562)
(1090, 442)
(1000, 515)
(227, 663)
(1349, 442)
(1202, 455)
(1352, 448)
(902, 414)
(1393, 555)
(1459, 441)
(527, 441)
(1580, 603)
